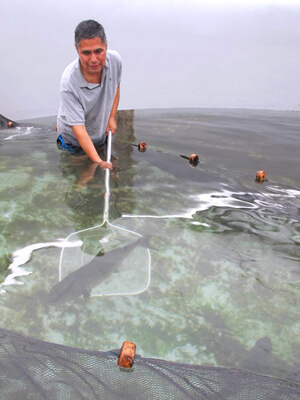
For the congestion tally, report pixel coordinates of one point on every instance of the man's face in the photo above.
(92, 55)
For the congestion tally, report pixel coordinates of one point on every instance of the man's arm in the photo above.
(112, 124)
(88, 147)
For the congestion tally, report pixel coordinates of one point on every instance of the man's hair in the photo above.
(89, 29)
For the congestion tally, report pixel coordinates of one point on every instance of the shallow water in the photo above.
(217, 279)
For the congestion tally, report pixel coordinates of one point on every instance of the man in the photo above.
(89, 94)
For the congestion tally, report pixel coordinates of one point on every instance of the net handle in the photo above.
(108, 146)
(107, 176)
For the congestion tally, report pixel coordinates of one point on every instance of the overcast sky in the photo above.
(176, 53)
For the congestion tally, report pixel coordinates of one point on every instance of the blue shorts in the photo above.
(74, 150)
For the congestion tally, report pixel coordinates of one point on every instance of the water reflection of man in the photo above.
(89, 95)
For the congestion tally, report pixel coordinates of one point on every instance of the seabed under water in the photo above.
(217, 282)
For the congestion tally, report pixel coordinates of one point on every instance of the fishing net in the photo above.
(33, 369)
(6, 123)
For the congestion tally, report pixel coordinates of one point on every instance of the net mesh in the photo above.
(6, 123)
(33, 369)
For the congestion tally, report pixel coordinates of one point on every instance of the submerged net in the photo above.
(33, 369)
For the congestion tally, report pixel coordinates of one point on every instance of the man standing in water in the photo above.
(89, 94)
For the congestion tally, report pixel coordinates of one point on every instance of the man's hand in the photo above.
(88, 146)
(111, 126)
(104, 165)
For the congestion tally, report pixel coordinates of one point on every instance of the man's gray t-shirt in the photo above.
(89, 104)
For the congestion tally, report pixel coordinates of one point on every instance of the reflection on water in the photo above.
(224, 250)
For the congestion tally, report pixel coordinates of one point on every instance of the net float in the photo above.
(10, 124)
(260, 176)
(127, 355)
(193, 159)
(142, 147)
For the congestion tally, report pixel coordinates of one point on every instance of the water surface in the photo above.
(220, 282)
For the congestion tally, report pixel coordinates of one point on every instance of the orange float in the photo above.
(260, 176)
(10, 124)
(127, 355)
(194, 160)
(142, 146)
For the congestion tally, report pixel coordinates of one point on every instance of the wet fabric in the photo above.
(69, 147)
(74, 150)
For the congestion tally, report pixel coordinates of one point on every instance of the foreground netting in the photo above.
(32, 369)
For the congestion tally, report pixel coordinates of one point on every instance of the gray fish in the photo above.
(84, 279)
(261, 360)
